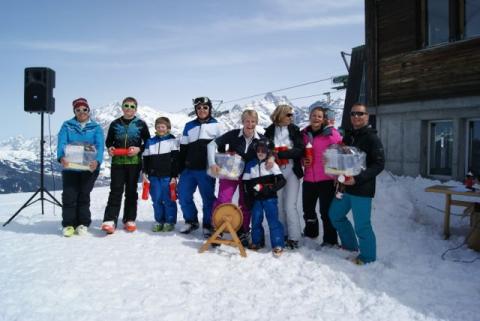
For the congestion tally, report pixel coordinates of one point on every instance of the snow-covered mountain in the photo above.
(20, 156)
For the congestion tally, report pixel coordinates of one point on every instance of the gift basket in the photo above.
(231, 166)
(344, 160)
(79, 155)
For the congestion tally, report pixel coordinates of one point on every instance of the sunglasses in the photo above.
(201, 100)
(357, 113)
(200, 107)
(132, 106)
(82, 110)
(289, 115)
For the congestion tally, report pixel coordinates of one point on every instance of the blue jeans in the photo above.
(361, 209)
(276, 228)
(189, 180)
(164, 208)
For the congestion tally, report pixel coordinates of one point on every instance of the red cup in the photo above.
(173, 190)
(281, 161)
(120, 152)
(309, 151)
(469, 182)
(145, 190)
(342, 178)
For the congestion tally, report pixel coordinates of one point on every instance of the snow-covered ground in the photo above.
(147, 276)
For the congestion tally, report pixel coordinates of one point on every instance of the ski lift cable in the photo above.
(316, 95)
(277, 90)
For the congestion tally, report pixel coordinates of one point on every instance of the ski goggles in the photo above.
(127, 105)
(201, 101)
(82, 110)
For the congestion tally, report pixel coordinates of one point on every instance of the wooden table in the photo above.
(449, 191)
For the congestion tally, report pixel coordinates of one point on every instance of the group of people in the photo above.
(275, 165)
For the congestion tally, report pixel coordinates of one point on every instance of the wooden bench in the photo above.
(449, 191)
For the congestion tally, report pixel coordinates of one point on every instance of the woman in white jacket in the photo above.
(289, 148)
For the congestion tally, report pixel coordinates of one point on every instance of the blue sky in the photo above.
(165, 53)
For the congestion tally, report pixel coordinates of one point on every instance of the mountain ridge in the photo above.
(20, 156)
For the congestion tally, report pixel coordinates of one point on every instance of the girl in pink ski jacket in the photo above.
(316, 184)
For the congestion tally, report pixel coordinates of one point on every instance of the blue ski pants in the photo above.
(189, 180)
(361, 209)
(270, 207)
(164, 209)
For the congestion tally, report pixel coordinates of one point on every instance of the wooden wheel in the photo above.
(228, 212)
(227, 218)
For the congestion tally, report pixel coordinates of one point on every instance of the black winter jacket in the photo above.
(237, 144)
(366, 139)
(296, 153)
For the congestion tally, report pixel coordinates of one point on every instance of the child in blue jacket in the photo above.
(262, 186)
(160, 167)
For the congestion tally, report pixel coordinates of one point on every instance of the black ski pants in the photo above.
(123, 178)
(323, 191)
(77, 186)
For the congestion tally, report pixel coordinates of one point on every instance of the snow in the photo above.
(147, 276)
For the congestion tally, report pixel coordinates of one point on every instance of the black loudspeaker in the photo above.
(39, 84)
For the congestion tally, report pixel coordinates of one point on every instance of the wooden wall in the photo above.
(446, 71)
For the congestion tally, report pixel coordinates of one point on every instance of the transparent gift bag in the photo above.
(231, 166)
(344, 160)
(79, 155)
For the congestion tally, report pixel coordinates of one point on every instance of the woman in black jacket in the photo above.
(289, 148)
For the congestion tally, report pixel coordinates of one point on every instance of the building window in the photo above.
(441, 148)
(437, 22)
(473, 143)
(449, 20)
(472, 18)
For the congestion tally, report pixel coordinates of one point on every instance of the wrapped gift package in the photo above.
(344, 160)
(231, 166)
(80, 155)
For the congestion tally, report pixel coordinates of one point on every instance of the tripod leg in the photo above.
(56, 202)
(27, 203)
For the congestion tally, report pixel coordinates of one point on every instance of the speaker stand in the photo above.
(41, 190)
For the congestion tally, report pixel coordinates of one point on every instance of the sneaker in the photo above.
(277, 251)
(244, 238)
(254, 247)
(167, 227)
(356, 261)
(157, 227)
(189, 228)
(130, 226)
(68, 231)
(108, 227)
(207, 232)
(291, 244)
(81, 230)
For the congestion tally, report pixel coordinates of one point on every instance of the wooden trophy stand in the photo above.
(227, 218)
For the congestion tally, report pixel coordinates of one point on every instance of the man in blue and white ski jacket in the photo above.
(193, 166)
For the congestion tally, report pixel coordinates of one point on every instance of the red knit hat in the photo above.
(80, 102)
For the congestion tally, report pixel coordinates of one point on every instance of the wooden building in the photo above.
(422, 84)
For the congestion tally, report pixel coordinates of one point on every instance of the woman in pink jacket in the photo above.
(316, 184)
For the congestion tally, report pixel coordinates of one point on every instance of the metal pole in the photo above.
(42, 142)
